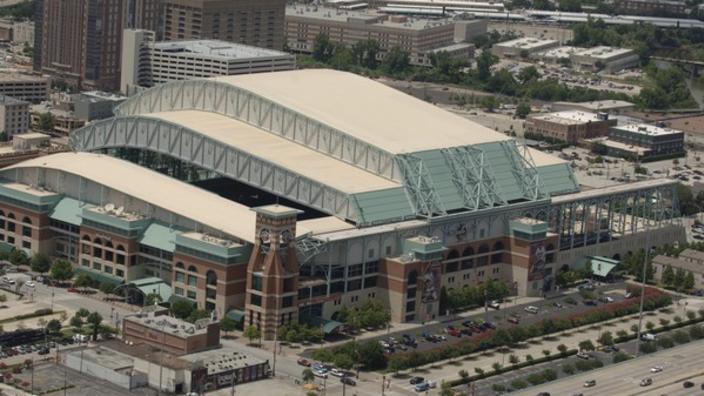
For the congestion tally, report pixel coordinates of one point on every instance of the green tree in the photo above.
(522, 110)
(82, 313)
(606, 338)
(527, 74)
(76, 322)
(53, 326)
(489, 103)
(679, 278)
(18, 257)
(688, 283)
(40, 263)
(484, 63)
(94, 320)
(252, 332)
(46, 122)
(668, 276)
(227, 325)
(181, 308)
(107, 288)
(343, 361)
(371, 355)
(154, 298)
(562, 348)
(323, 49)
(61, 270)
(586, 345)
(197, 314)
(83, 280)
(307, 375)
(396, 62)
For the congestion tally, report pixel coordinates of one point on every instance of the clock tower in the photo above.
(272, 271)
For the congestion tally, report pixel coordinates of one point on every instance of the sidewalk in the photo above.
(448, 369)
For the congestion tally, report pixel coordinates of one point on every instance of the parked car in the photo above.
(495, 304)
(589, 383)
(417, 380)
(320, 373)
(583, 355)
(688, 384)
(656, 369)
(557, 305)
(531, 309)
(422, 387)
(337, 372)
(348, 381)
(646, 382)
(304, 362)
(514, 319)
(611, 348)
(648, 337)
(30, 284)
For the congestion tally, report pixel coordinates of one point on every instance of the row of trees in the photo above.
(679, 279)
(93, 320)
(473, 296)
(363, 355)
(296, 332)
(371, 314)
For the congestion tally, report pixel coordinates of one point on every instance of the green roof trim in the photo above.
(601, 266)
(235, 315)
(160, 237)
(154, 285)
(67, 210)
(329, 326)
(101, 277)
(382, 206)
(558, 179)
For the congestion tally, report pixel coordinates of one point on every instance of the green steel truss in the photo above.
(473, 177)
(524, 169)
(419, 187)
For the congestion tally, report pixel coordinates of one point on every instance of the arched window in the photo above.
(108, 244)
(26, 229)
(483, 260)
(549, 255)
(2, 213)
(2, 220)
(10, 224)
(86, 238)
(192, 269)
(179, 265)
(98, 241)
(468, 261)
(26, 220)
(211, 278)
(413, 277)
(11, 216)
(498, 256)
(452, 266)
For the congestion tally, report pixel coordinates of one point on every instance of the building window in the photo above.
(192, 280)
(191, 295)
(354, 270)
(11, 226)
(497, 257)
(97, 266)
(27, 244)
(97, 252)
(411, 292)
(411, 306)
(85, 263)
(256, 282)
(353, 285)
(120, 273)
(287, 302)
(210, 293)
(388, 250)
(109, 255)
(27, 231)
(370, 282)
(256, 300)
(178, 291)
(413, 277)
(371, 267)
(180, 277)
(108, 269)
(11, 240)
(120, 258)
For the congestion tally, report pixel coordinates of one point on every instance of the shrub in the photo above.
(665, 342)
(567, 368)
(513, 359)
(549, 375)
(681, 337)
(648, 347)
(463, 374)
(529, 358)
(518, 384)
(691, 315)
(620, 357)
(535, 379)
(696, 332)
(498, 388)
(664, 322)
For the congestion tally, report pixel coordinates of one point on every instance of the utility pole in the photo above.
(383, 384)
(642, 285)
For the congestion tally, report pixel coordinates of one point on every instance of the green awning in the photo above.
(601, 266)
(68, 210)
(329, 326)
(235, 315)
(160, 237)
(101, 277)
(153, 285)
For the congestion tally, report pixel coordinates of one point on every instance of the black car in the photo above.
(348, 381)
(417, 380)
(611, 348)
(688, 384)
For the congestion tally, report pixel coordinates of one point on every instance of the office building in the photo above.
(258, 23)
(79, 41)
(24, 87)
(419, 37)
(334, 213)
(644, 141)
(95, 105)
(660, 8)
(522, 47)
(158, 329)
(23, 32)
(689, 260)
(14, 117)
(146, 63)
(569, 126)
(608, 59)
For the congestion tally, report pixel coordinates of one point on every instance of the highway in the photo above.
(682, 363)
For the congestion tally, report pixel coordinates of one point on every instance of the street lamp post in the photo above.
(642, 285)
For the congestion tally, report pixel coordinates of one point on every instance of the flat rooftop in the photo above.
(619, 188)
(562, 52)
(368, 18)
(526, 43)
(600, 105)
(603, 52)
(222, 360)
(216, 49)
(17, 77)
(28, 189)
(647, 129)
(8, 100)
(167, 324)
(105, 357)
(198, 236)
(624, 147)
(101, 96)
(569, 117)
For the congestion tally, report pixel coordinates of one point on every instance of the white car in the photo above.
(648, 337)
(531, 309)
(495, 304)
(30, 284)
(656, 369)
(337, 372)
(320, 374)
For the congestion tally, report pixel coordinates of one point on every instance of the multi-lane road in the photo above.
(682, 363)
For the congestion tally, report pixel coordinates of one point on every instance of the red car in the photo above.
(453, 331)
(304, 362)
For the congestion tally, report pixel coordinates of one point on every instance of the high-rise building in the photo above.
(253, 22)
(79, 41)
